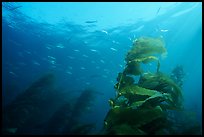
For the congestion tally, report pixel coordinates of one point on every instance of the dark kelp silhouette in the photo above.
(41, 109)
(145, 107)
(66, 120)
(178, 75)
(16, 114)
(33, 107)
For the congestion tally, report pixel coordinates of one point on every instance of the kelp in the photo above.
(140, 97)
(142, 107)
(135, 93)
(43, 109)
(136, 90)
(143, 51)
(145, 46)
(133, 68)
(136, 117)
(156, 99)
(162, 83)
(178, 75)
(123, 80)
(146, 60)
(29, 105)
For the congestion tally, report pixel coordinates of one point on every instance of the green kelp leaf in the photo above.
(137, 104)
(147, 59)
(123, 81)
(133, 68)
(145, 46)
(136, 93)
(156, 99)
(134, 117)
(149, 81)
(152, 101)
(121, 101)
(162, 83)
(136, 90)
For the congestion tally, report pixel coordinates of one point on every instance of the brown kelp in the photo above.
(66, 120)
(143, 108)
(178, 75)
(27, 105)
(43, 109)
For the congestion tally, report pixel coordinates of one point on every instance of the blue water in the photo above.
(84, 45)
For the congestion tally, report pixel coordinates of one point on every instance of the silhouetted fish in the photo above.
(91, 21)
(158, 10)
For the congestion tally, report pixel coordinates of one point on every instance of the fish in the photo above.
(48, 48)
(113, 49)
(85, 56)
(93, 50)
(68, 72)
(91, 21)
(83, 68)
(104, 32)
(158, 10)
(121, 65)
(76, 50)
(70, 57)
(50, 57)
(28, 52)
(102, 61)
(60, 46)
(164, 30)
(36, 63)
(12, 73)
(52, 61)
(106, 70)
(115, 42)
(70, 67)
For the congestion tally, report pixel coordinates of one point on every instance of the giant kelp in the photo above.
(144, 51)
(44, 109)
(29, 104)
(178, 74)
(143, 107)
(145, 47)
(66, 120)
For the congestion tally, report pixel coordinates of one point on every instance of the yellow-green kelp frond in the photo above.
(153, 101)
(142, 97)
(146, 46)
(146, 60)
(162, 83)
(133, 117)
(136, 90)
(123, 80)
(133, 68)
(136, 93)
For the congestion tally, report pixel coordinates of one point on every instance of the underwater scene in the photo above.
(102, 68)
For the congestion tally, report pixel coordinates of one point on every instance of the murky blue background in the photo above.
(85, 44)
